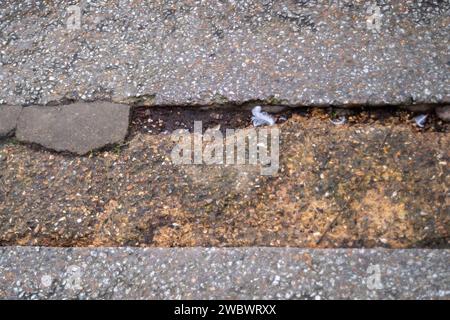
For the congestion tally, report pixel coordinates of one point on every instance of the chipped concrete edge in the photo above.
(223, 273)
(78, 128)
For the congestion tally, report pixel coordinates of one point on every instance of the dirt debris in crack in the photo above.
(157, 120)
(395, 196)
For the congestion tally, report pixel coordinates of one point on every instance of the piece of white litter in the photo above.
(261, 118)
(340, 121)
(420, 120)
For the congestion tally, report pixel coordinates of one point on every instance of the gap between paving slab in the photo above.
(81, 127)
(219, 273)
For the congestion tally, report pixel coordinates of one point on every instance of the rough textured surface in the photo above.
(8, 119)
(77, 128)
(245, 273)
(382, 180)
(169, 52)
(443, 113)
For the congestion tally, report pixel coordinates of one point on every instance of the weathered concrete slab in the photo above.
(384, 182)
(77, 128)
(169, 52)
(8, 119)
(244, 273)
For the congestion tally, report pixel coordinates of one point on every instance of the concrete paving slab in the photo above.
(170, 52)
(376, 181)
(225, 273)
